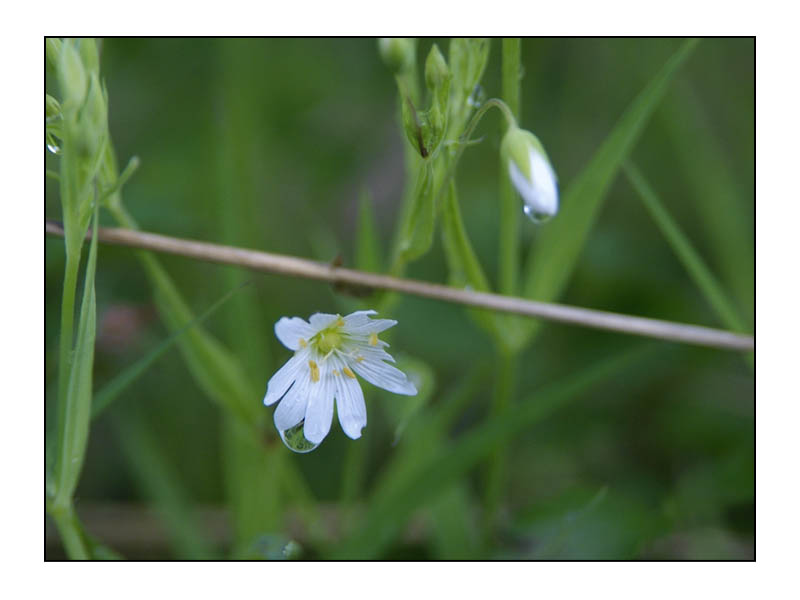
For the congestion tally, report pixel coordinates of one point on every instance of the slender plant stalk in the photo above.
(73, 261)
(508, 253)
(70, 531)
(505, 374)
(309, 269)
(509, 205)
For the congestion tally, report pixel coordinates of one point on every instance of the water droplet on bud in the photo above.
(534, 216)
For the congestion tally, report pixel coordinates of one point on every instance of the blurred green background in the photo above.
(268, 144)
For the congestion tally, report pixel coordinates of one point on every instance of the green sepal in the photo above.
(517, 146)
(418, 235)
(425, 129)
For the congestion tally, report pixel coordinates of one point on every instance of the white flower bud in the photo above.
(531, 173)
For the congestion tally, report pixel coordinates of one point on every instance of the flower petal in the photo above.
(350, 405)
(544, 179)
(291, 330)
(284, 377)
(358, 318)
(384, 376)
(371, 326)
(292, 407)
(320, 321)
(319, 411)
(362, 350)
(540, 192)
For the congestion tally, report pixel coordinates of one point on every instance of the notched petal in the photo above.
(291, 330)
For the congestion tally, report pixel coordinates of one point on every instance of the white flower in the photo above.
(329, 351)
(531, 173)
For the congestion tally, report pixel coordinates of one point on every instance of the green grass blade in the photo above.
(462, 262)
(554, 255)
(74, 429)
(253, 472)
(683, 249)
(116, 386)
(215, 369)
(390, 510)
(160, 484)
(238, 199)
(722, 203)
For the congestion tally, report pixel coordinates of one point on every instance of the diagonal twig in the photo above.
(309, 269)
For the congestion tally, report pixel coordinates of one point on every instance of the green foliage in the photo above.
(694, 264)
(395, 502)
(161, 485)
(266, 144)
(554, 255)
(104, 397)
(73, 433)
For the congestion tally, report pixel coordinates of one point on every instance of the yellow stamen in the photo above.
(314, 371)
(339, 322)
(349, 373)
(359, 358)
(373, 339)
(302, 343)
(336, 373)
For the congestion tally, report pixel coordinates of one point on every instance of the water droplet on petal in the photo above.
(295, 441)
(534, 216)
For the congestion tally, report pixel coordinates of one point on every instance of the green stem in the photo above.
(508, 251)
(508, 268)
(73, 261)
(70, 531)
(496, 471)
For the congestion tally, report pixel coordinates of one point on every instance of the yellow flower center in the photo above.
(328, 340)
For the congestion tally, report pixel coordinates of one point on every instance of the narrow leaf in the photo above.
(75, 426)
(680, 244)
(555, 254)
(462, 262)
(724, 202)
(116, 386)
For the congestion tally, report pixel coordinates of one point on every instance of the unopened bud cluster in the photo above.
(450, 90)
(83, 103)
